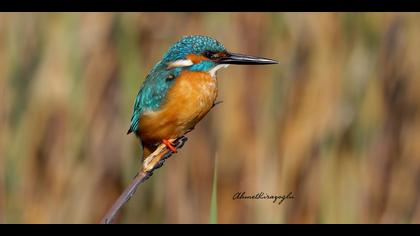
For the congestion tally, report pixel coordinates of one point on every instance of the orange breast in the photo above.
(187, 102)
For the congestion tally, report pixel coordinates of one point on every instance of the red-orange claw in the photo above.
(169, 145)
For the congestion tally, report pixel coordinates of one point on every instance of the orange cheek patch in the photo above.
(196, 58)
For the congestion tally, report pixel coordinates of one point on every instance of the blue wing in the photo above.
(136, 115)
(152, 94)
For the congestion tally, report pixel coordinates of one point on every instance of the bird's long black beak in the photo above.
(241, 59)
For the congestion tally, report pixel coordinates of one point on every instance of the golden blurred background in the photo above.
(336, 122)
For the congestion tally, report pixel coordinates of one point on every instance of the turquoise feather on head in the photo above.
(196, 44)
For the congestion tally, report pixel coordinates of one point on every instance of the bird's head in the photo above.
(202, 53)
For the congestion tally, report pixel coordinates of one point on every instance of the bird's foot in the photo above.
(169, 145)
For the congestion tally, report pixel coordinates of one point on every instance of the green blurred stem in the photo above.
(213, 204)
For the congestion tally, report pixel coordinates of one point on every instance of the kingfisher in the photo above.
(181, 89)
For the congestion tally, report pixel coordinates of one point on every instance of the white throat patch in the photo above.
(216, 68)
(180, 63)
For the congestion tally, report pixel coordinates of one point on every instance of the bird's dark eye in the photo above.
(211, 54)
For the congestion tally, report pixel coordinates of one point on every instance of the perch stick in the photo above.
(154, 161)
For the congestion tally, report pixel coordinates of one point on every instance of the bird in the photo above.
(181, 89)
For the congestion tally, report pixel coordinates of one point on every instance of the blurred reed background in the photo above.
(336, 122)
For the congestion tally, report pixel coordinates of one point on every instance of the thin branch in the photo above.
(154, 161)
